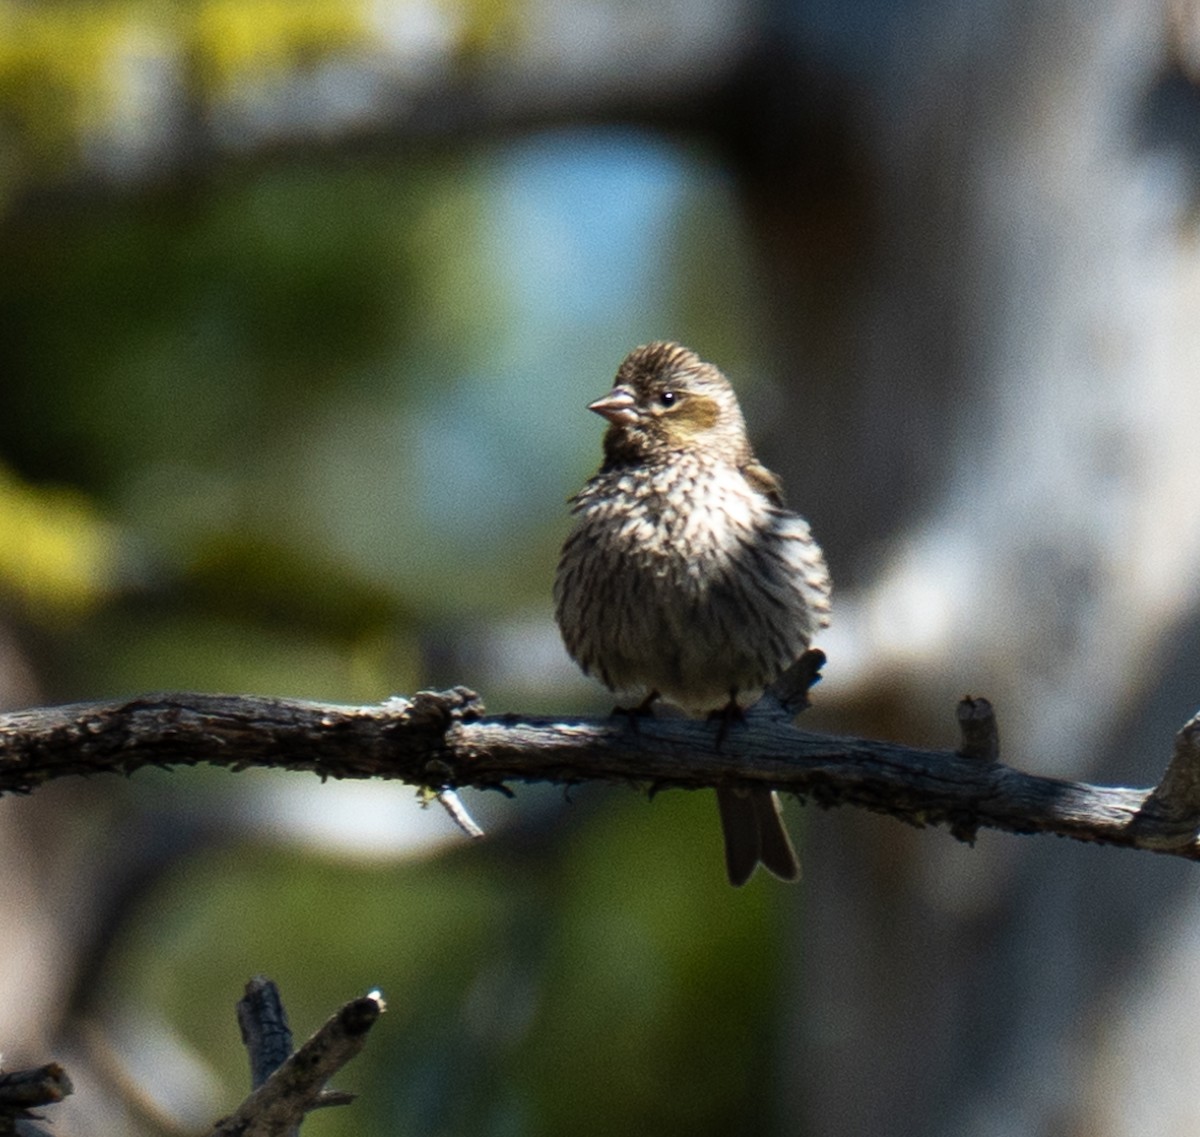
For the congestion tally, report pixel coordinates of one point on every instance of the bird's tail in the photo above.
(752, 822)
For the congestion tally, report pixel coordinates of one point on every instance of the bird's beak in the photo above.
(618, 406)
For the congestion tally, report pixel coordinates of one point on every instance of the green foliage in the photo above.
(208, 370)
(655, 1004)
(240, 42)
(58, 557)
(68, 71)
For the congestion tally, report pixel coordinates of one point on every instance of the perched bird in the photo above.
(685, 578)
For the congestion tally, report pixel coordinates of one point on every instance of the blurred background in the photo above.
(300, 307)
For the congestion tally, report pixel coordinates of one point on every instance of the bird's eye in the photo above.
(668, 398)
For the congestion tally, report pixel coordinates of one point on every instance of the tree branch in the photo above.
(441, 740)
(268, 1039)
(296, 1084)
(23, 1090)
(265, 1031)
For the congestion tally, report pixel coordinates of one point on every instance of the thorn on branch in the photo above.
(792, 687)
(452, 804)
(980, 734)
(326, 1098)
(964, 829)
(1170, 818)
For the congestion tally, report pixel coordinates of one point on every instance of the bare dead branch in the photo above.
(265, 1031)
(441, 739)
(277, 1106)
(22, 1091)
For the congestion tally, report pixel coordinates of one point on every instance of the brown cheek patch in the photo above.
(695, 415)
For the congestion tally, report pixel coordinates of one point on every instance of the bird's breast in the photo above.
(676, 519)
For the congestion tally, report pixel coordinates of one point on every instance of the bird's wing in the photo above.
(766, 483)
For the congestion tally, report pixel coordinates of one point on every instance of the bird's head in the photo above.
(665, 400)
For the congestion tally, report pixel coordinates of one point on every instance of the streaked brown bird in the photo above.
(685, 578)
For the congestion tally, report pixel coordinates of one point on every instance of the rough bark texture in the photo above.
(441, 739)
(22, 1091)
(278, 1105)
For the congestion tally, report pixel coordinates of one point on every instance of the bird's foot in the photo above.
(723, 716)
(642, 710)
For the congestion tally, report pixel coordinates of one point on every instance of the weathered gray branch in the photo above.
(441, 739)
(296, 1085)
(22, 1091)
(265, 1031)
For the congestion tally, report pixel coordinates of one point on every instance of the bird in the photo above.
(685, 578)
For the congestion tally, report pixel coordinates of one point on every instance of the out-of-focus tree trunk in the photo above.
(986, 297)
